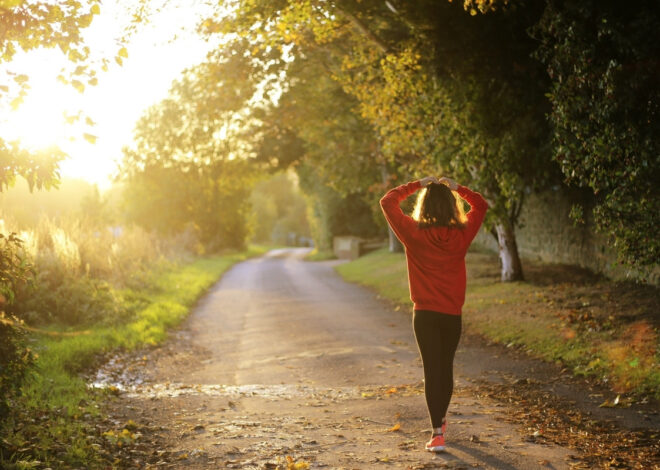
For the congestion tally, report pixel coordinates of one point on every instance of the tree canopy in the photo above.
(509, 97)
(603, 60)
(188, 166)
(437, 90)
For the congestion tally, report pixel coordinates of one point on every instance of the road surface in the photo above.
(282, 358)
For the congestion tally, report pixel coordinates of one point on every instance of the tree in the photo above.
(190, 142)
(605, 94)
(278, 210)
(444, 91)
(461, 103)
(314, 128)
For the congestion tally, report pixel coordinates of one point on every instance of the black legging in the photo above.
(437, 336)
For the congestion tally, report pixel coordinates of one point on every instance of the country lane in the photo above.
(282, 359)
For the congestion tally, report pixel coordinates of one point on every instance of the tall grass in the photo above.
(76, 262)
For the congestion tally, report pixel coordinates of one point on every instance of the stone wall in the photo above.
(547, 233)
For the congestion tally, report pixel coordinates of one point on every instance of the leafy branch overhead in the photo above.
(510, 97)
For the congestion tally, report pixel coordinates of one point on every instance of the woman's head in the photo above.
(438, 207)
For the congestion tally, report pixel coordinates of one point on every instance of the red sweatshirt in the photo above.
(435, 255)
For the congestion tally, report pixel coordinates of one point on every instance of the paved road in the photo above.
(283, 358)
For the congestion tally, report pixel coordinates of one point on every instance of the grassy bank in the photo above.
(316, 255)
(562, 314)
(55, 422)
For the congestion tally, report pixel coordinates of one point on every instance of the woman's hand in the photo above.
(449, 182)
(428, 180)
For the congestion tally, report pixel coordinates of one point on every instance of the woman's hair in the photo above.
(437, 206)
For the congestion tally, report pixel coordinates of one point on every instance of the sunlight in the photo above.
(156, 55)
(39, 122)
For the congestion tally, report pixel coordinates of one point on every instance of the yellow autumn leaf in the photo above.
(123, 52)
(78, 85)
(394, 428)
(7, 4)
(293, 465)
(89, 138)
(16, 102)
(95, 10)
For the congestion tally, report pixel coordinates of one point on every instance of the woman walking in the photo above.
(436, 239)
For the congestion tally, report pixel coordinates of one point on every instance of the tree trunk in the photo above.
(394, 243)
(506, 240)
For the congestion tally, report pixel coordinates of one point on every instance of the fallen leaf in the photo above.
(395, 428)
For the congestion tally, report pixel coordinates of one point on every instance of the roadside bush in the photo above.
(15, 357)
(77, 263)
(69, 301)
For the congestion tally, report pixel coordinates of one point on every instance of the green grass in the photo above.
(383, 271)
(316, 255)
(609, 343)
(51, 423)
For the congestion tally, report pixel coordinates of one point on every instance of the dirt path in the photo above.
(282, 359)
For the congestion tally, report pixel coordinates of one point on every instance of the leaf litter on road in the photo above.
(544, 417)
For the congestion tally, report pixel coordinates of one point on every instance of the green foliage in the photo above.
(68, 301)
(278, 210)
(29, 25)
(15, 360)
(15, 357)
(211, 200)
(188, 167)
(429, 89)
(605, 95)
(380, 270)
(15, 270)
(315, 128)
(39, 168)
(72, 266)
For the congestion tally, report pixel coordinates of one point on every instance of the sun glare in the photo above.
(40, 122)
(115, 104)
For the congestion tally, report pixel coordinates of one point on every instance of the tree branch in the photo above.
(362, 28)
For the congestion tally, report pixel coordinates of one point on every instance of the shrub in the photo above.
(15, 357)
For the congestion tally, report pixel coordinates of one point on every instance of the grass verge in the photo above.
(56, 421)
(316, 255)
(562, 314)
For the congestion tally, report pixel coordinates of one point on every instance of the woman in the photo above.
(436, 239)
